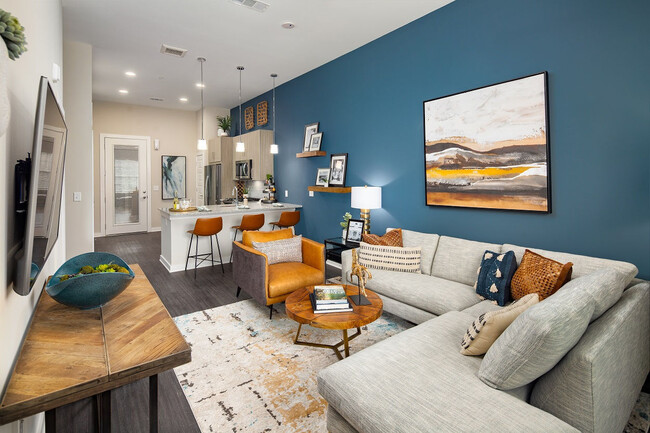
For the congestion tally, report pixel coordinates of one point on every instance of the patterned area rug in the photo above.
(246, 374)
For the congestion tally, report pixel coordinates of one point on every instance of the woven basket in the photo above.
(537, 274)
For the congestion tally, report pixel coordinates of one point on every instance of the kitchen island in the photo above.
(175, 240)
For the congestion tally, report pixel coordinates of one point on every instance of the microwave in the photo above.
(244, 169)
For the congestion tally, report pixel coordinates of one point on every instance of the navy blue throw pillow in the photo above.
(494, 276)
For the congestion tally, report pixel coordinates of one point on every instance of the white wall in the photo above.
(77, 94)
(43, 27)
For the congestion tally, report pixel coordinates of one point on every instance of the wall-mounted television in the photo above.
(43, 189)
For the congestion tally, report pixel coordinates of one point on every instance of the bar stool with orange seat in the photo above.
(287, 219)
(205, 227)
(248, 223)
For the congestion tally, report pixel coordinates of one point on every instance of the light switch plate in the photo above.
(286, 193)
(311, 193)
(76, 196)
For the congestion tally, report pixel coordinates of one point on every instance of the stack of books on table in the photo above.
(329, 299)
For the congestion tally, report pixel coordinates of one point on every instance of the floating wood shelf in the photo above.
(334, 189)
(311, 154)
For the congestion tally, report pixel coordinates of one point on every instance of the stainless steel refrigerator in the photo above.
(212, 184)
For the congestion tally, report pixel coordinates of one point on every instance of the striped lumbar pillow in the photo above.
(489, 326)
(390, 258)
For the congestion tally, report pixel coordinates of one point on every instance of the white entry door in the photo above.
(125, 183)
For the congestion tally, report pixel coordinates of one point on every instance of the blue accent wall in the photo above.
(369, 104)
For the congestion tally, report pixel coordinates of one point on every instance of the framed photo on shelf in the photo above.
(355, 231)
(338, 169)
(310, 129)
(315, 141)
(173, 176)
(323, 177)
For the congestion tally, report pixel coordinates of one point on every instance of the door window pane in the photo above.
(126, 183)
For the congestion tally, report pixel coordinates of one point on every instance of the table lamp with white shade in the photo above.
(366, 198)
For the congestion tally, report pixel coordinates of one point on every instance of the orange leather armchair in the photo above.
(270, 284)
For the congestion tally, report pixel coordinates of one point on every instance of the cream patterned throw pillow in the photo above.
(281, 251)
(390, 258)
(488, 327)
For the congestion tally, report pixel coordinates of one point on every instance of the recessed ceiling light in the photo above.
(200, 85)
(182, 99)
(123, 91)
(288, 25)
(129, 74)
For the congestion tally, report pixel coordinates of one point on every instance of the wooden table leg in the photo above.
(153, 403)
(50, 421)
(345, 343)
(105, 412)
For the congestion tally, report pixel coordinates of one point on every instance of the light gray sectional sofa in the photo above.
(417, 381)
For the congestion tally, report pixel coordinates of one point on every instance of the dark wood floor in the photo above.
(181, 294)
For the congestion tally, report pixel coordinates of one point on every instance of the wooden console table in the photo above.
(70, 354)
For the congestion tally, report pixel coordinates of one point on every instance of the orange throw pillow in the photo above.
(537, 274)
(392, 238)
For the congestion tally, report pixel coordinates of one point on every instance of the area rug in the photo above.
(246, 374)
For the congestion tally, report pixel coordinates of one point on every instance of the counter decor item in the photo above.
(322, 177)
(89, 280)
(338, 169)
(310, 129)
(13, 34)
(173, 176)
(485, 162)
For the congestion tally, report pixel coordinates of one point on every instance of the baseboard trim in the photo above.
(154, 229)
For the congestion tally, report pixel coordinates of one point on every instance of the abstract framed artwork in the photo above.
(489, 147)
(173, 176)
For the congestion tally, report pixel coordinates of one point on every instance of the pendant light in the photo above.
(274, 147)
(202, 144)
(240, 146)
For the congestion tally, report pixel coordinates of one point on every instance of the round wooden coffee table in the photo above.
(298, 307)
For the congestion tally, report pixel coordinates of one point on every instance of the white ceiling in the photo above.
(127, 35)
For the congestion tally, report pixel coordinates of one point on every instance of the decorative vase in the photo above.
(4, 93)
(220, 132)
(344, 234)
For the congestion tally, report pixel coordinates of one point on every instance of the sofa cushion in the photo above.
(431, 294)
(494, 276)
(287, 277)
(387, 258)
(582, 265)
(392, 238)
(417, 381)
(458, 259)
(538, 338)
(484, 331)
(282, 250)
(539, 274)
(427, 241)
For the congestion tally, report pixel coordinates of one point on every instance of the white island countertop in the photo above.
(222, 209)
(175, 240)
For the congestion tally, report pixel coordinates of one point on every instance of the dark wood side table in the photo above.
(335, 246)
(70, 354)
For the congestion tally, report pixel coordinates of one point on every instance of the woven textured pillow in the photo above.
(390, 258)
(486, 329)
(392, 238)
(281, 251)
(494, 276)
(537, 274)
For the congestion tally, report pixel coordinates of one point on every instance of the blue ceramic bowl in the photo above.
(90, 290)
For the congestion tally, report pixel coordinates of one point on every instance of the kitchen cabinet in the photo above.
(258, 150)
(214, 148)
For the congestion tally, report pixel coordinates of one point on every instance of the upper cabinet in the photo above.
(214, 148)
(258, 150)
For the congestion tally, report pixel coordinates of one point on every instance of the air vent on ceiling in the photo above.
(156, 99)
(253, 4)
(172, 51)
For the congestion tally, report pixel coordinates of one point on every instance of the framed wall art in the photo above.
(338, 169)
(489, 148)
(262, 113)
(173, 176)
(315, 141)
(249, 117)
(310, 129)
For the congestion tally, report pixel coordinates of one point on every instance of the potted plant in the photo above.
(344, 223)
(225, 123)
